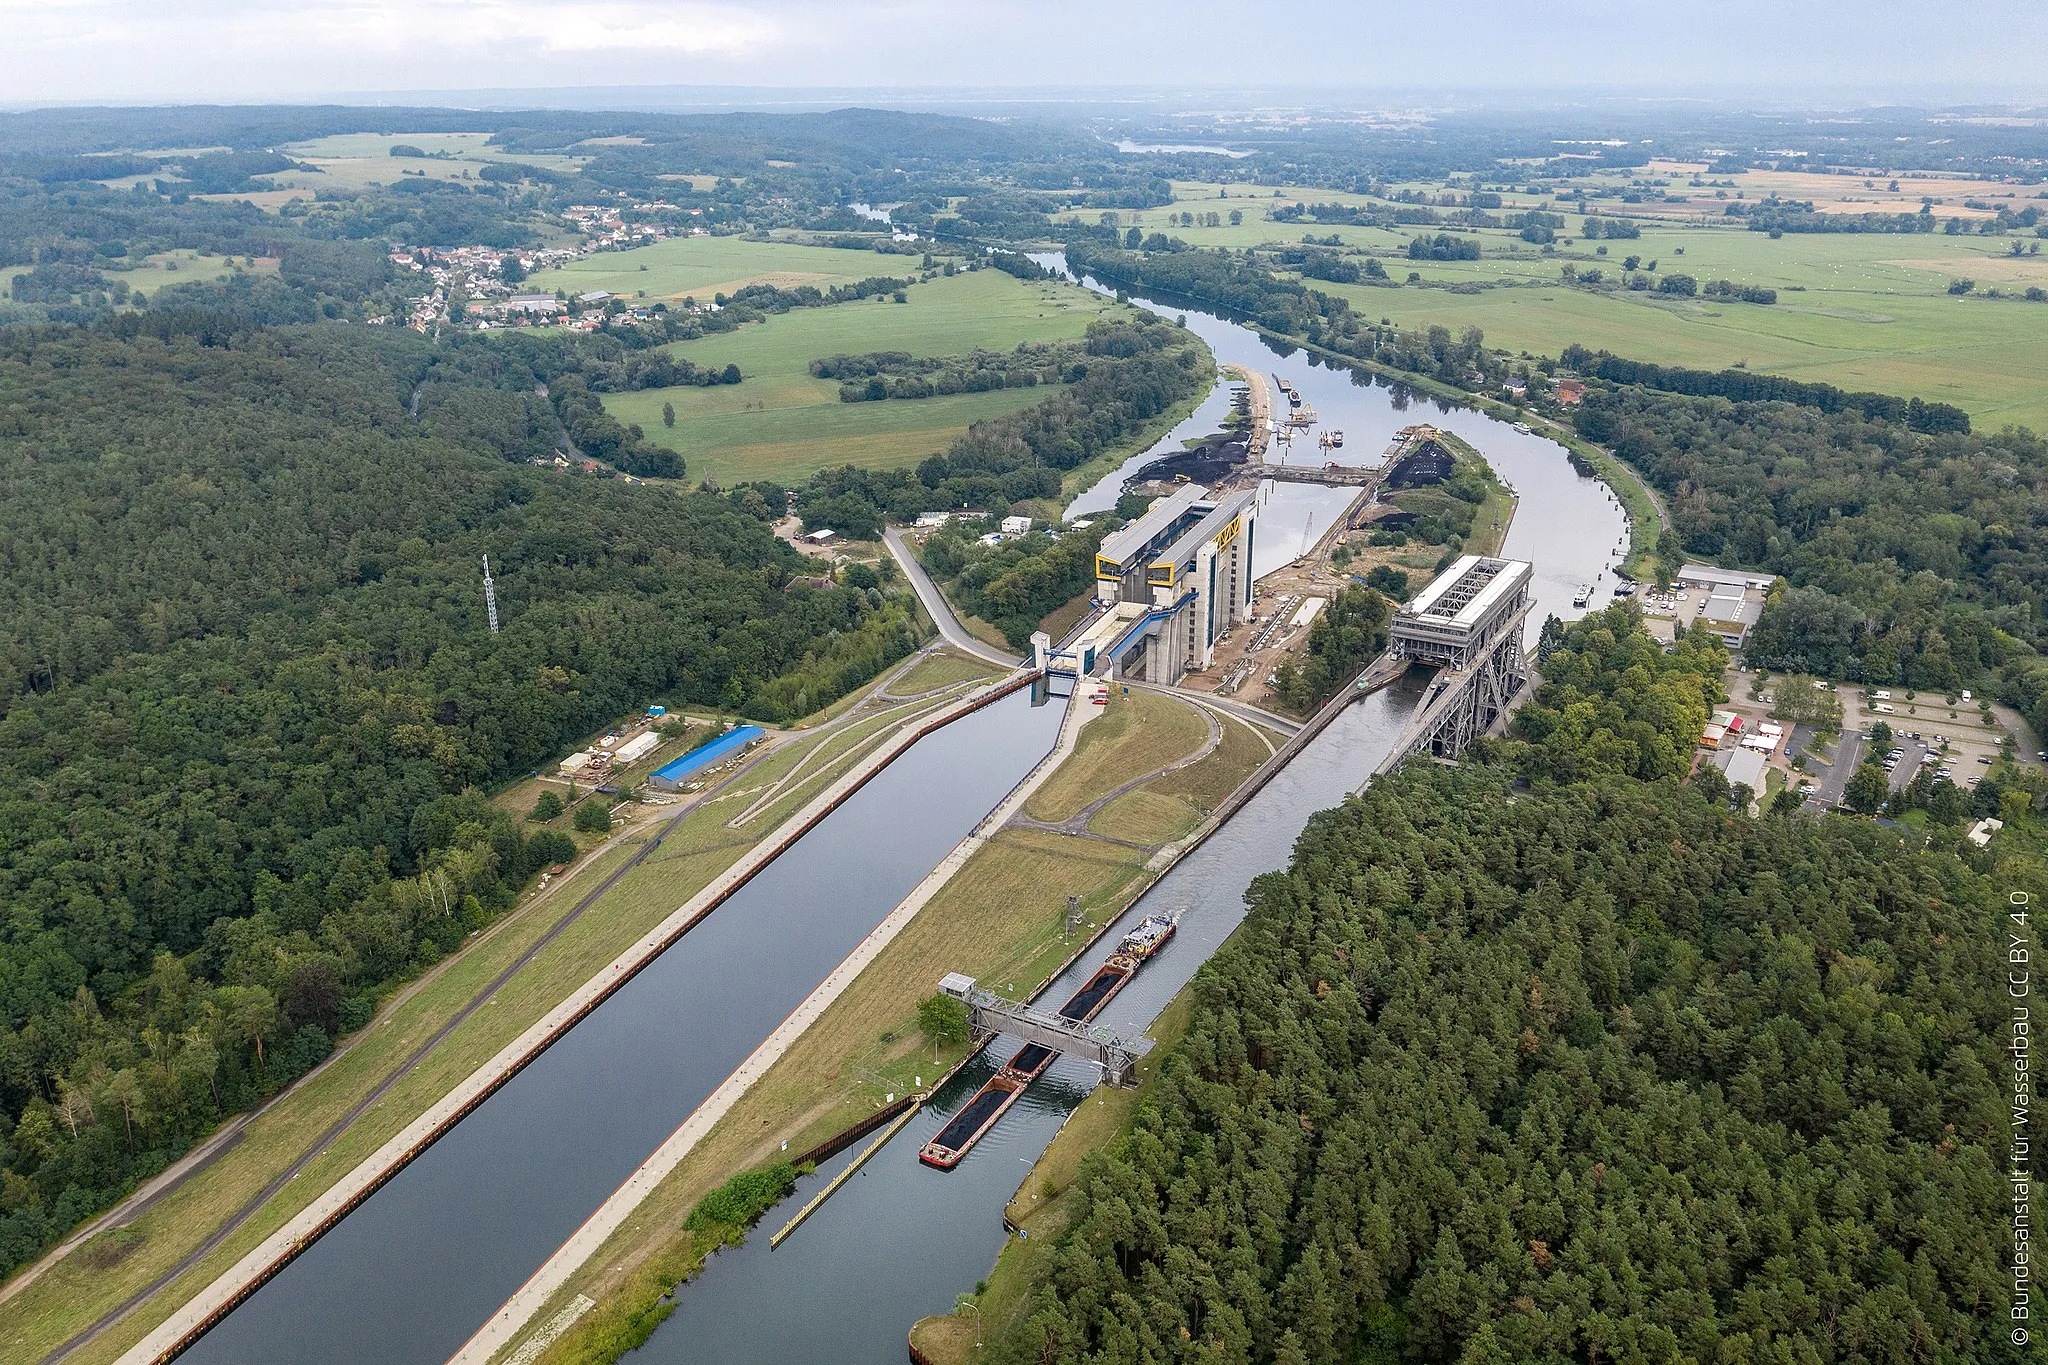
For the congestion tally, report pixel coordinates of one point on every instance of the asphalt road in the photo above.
(936, 607)
(1833, 780)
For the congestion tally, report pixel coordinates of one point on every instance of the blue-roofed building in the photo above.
(671, 775)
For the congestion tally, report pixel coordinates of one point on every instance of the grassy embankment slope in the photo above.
(783, 423)
(1001, 919)
(1860, 311)
(77, 1290)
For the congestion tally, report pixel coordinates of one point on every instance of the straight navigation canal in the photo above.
(406, 1278)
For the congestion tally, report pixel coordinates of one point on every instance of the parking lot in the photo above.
(1940, 753)
(1926, 724)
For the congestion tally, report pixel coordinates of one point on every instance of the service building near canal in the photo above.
(1171, 583)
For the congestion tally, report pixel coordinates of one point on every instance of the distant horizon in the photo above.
(128, 52)
(1180, 101)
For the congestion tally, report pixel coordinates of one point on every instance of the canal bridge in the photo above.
(1467, 624)
(991, 1013)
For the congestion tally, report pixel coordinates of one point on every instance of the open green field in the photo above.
(351, 161)
(169, 267)
(783, 423)
(681, 267)
(1859, 311)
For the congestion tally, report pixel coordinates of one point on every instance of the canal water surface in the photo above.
(409, 1276)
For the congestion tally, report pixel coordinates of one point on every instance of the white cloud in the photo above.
(82, 49)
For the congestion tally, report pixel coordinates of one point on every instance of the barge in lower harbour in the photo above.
(975, 1118)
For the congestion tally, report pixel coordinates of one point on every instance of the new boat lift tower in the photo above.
(991, 1013)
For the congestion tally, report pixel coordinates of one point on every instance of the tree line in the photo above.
(1747, 386)
(1132, 369)
(877, 375)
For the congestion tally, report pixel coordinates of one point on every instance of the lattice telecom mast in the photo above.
(490, 596)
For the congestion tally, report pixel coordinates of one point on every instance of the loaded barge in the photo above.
(953, 1142)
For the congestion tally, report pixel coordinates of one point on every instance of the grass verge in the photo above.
(1138, 733)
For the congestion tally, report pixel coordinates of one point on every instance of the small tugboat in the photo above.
(1585, 595)
(1337, 439)
(1150, 936)
(951, 1144)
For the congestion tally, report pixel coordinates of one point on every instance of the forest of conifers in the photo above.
(248, 697)
(1538, 1060)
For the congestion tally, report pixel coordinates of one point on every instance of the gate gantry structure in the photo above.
(988, 1012)
(1468, 625)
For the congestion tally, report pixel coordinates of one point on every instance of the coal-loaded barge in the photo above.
(953, 1142)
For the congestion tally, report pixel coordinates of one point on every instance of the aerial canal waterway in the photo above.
(899, 1240)
(1567, 524)
(410, 1275)
(406, 1278)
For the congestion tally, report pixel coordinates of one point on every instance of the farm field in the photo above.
(168, 267)
(1861, 311)
(782, 423)
(1858, 311)
(351, 161)
(701, 267)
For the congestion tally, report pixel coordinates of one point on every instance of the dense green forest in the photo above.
(1580, 1070)
(248, 700)
(1346, 636)
(1613, 702)
(1910, 558)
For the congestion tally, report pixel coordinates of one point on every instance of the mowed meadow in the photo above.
(1860, 311)
(783, 423)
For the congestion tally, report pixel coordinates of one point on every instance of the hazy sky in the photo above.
(139, 50)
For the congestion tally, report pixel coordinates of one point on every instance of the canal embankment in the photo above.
(180, 1231)
(282, 1245)
(546, 1283)
(999, 915)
